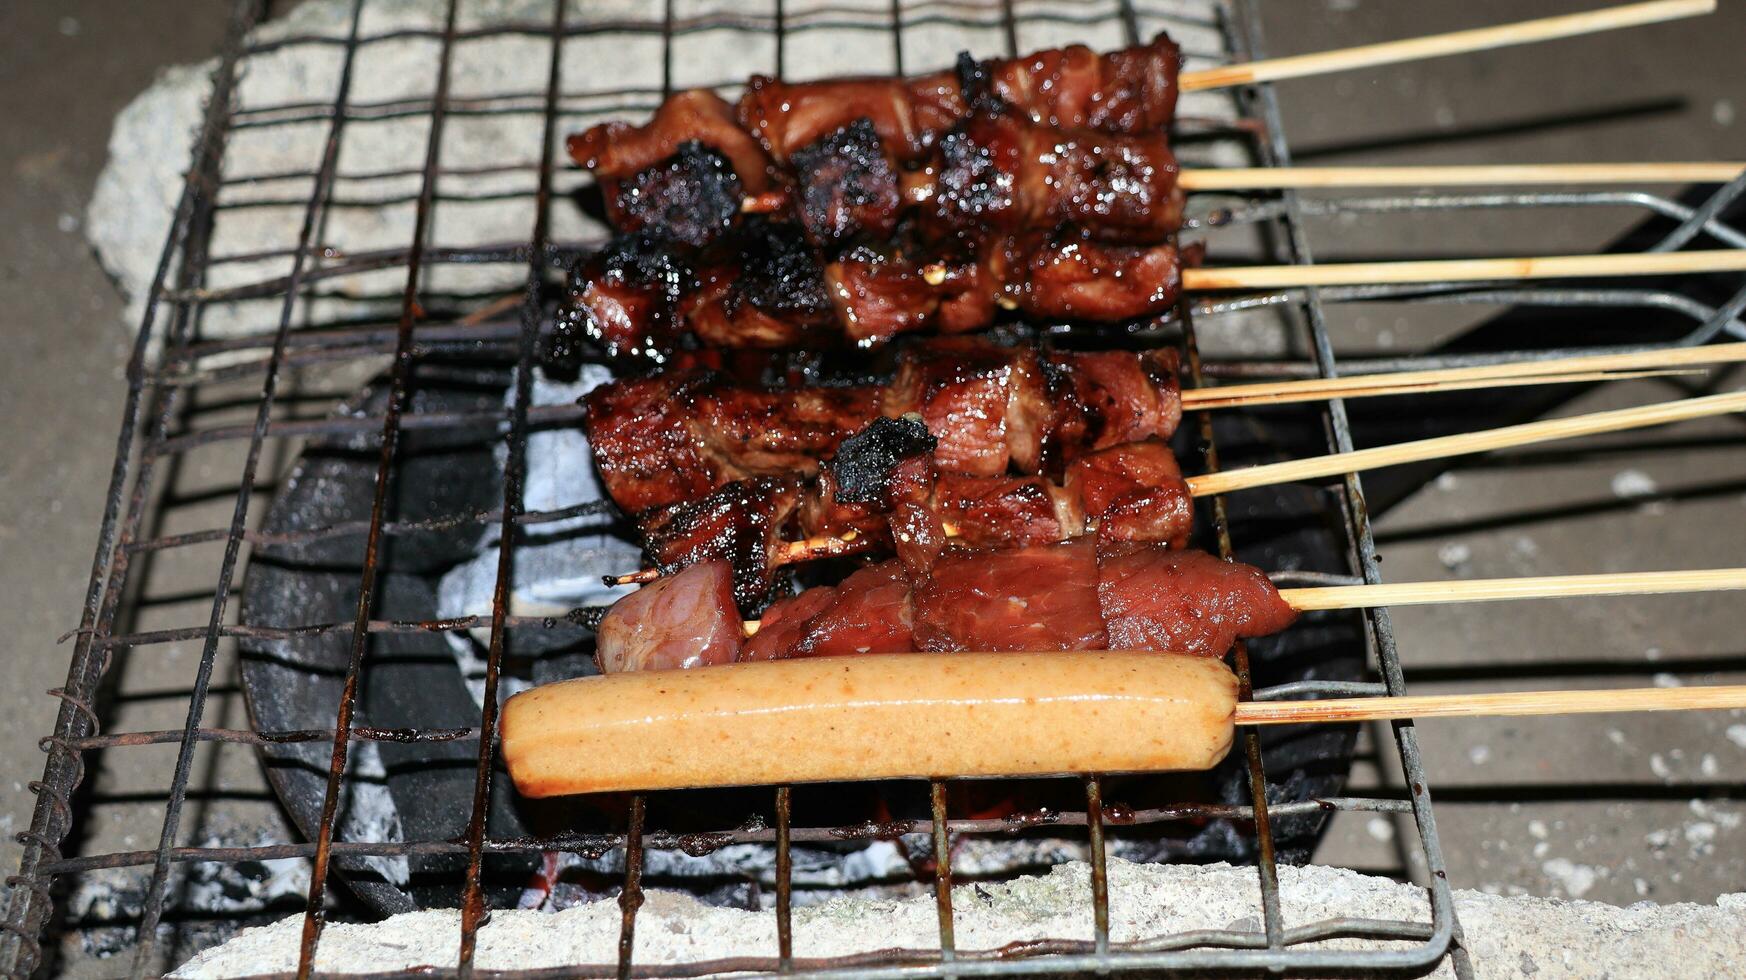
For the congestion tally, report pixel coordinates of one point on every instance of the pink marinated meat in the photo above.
(784, 624)
(673, 623)
(917, 536)
(998, 511)
(1185, 601)
(1042, 597)
(870, 613)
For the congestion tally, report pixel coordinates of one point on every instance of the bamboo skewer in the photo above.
(1556, 370)
(1439, 45)
(1260, 178)
(1548, 430)
(1200, 399)
(1510, 704)
(1466, 270)
(1496, 589)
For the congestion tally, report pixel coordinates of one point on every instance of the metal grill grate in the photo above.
(173, 359)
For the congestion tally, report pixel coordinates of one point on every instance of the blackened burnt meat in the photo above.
(761, 286)
(617, 150)
(740, 523)
(692, 196)
(624, 299)
(865, 464)
(847, 185)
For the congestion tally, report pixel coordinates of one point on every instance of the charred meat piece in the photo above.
(671, 438)
(617, 150)
(679, 621)
(623, 299)
(740, 523)
(692, 196)
(997, 171)
(873, 465)
(1127, 493)
(1042, 597)
(761, 286)
(847, 185)
(1184, 601)
(962, 390)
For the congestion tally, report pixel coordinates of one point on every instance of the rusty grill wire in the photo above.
(171, 358)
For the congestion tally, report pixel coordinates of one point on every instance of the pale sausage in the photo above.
(871, 717)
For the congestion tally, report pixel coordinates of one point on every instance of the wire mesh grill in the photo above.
(175, 358)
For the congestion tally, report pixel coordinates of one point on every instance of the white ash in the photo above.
(557, 564)
(1507, 937)
(370, 813)
(1632, 484)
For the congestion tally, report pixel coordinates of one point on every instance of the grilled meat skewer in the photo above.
(1070, 595)
(1128, 91)
(762, 286)
(883, 490)
(674, 437)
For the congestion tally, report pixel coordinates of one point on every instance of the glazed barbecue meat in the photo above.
(673, 437)
(761, 286)
(742, 524)
(903, 503)
(1128, 91)
(624, 299)
(907, 114)
(683, 175)
(1076, 277)
(1076, 594)
(996, 172)
(1132, 90)
(999, 172)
